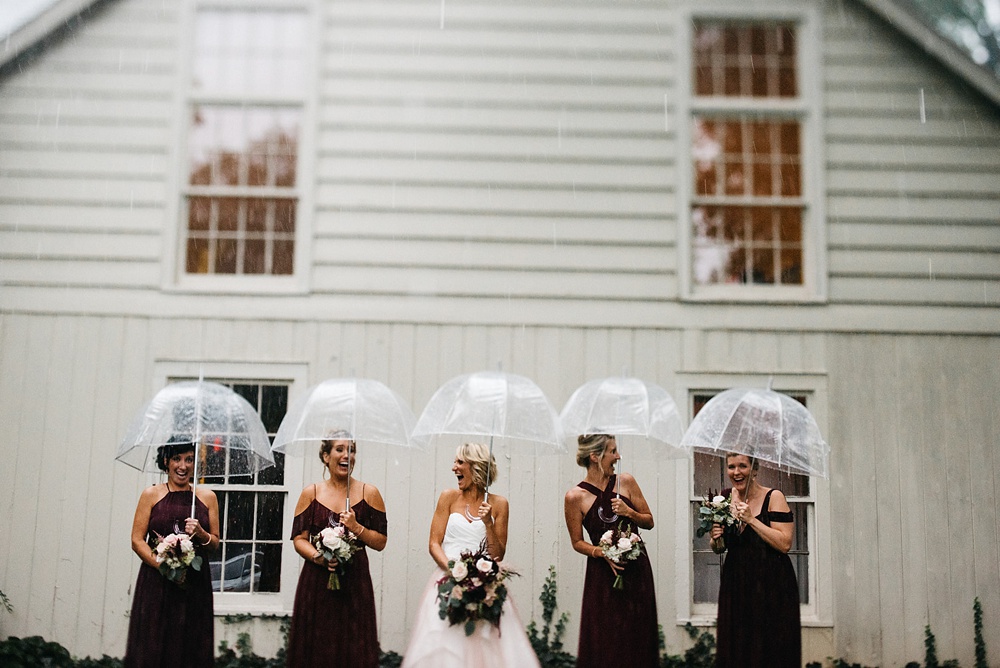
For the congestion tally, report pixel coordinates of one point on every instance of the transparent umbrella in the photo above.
(765, 425)
(226, 429)
(491, 404)
(360, 409)
(629, 407)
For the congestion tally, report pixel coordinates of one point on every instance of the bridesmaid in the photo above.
(617, 626)
(336, 627)
(170, 624)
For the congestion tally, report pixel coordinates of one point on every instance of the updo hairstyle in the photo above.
(590, 444)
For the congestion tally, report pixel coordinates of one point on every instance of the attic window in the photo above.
(242, 192)
(747, 207)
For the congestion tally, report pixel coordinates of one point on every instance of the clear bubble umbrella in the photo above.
(226, 430)
(644, 413)
(762, 424)
(357, 409)
(491, 404)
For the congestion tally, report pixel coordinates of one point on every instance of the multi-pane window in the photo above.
(251, 507)
(747, 206)
(710, 476)
(241, 187)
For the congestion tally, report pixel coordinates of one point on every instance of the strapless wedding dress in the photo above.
(436, 644)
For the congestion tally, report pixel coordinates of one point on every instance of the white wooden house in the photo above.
(704, 193)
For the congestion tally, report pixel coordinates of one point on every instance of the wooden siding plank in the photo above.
(498, 256)
(954, 185)
(845, 153)
(403, 169)
(17, 416)
(132, 275)
(367, 140)
(930, 264)
(123, 166)
(61, 218)
(893, 290)
(903, 236)
(388, 225)
(105, 247)
(501, 197)
(930, 209)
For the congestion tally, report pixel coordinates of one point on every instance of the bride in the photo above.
(462, 520)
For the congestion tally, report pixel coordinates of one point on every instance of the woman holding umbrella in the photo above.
(171, 623)
(758, 594)
(333, 619)
(617, 624)
(463, 521)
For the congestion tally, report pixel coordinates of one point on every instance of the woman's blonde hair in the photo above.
(590, 444)
(482, 463)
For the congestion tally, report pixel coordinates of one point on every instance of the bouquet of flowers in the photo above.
(338, 543)
(473, 589)
(715, 509)
(620, 545)
(175, 554)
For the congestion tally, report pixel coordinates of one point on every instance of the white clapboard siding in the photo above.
(450, 227)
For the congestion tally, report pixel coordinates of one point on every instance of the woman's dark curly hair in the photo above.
(177, 445)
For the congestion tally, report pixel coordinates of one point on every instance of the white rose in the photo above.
(484, 566)
(718, 499)
(624, 544)
(608, 535)
(634, 538)
(459, 571)
(330, 539)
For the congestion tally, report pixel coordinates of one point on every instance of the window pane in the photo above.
(239, 515)
(258, 52)
(739, 244)
(273, 406)
(269, 562)
(269, 510)
(744, 60)
(244, 146)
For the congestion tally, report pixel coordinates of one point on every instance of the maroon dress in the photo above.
(758, 600)
(335, 628)
(617, 626)
(171, 625)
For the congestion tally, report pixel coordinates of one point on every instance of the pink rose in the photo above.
(459, 571)
(624, 543)
(484, 566)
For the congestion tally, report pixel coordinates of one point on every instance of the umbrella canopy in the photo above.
(228, 430)
(623, 406)
(365, 409)
(490, 404)
(201, 412)
(763, 424)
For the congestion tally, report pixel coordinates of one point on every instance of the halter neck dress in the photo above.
(171, 625)
(618, 627)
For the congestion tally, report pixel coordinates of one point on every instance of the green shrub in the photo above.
(699, 655)
(32, 652)
(977, 615)
(548, 644)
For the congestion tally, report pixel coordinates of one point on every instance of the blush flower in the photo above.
(459, 571)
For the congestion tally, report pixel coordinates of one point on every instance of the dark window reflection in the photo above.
(710, 477)
(745, 60)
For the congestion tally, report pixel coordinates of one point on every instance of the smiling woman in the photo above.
(171, 620)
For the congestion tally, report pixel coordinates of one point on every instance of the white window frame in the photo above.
(175, 277)
(818, 611)
(296, 376)
(806, 108)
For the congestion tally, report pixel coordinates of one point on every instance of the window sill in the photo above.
(703, 621)
(237, 285)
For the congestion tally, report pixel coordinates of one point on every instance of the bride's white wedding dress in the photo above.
(436, 644)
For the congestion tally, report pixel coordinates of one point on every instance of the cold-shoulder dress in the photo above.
(171, 625)
(758, 600)
(335, 627)
(618, 627)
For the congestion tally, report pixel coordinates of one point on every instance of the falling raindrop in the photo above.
(930, 269)
(559, 133)
(923, 110)
(442, 14)
(666, 114)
